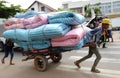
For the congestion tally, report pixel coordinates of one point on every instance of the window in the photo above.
(33, 9)
(79, 10)
(43, 8)
(65, 6)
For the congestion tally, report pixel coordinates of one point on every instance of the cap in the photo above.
(106, 21)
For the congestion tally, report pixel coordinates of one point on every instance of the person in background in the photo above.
(8, 48)
(109, 35)
(104, 35)
(109, 32)
(103, 39)
(91, 39)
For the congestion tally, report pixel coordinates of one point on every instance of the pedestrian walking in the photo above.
(103, 39)
(8, 48)
(109, 35)
(109, 32)
(93, 37)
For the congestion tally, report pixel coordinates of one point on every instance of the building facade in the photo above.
(41, 7)
(107, 7)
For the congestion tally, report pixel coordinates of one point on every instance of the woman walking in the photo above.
(8, 48)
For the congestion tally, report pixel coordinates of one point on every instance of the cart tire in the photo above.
(56, 57)
(40, 63)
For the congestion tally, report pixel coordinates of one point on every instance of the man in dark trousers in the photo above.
(8, 48)
(92, 38)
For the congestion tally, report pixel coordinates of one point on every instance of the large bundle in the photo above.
(33, 30)
(68, 18)
(47, 31)
(71, 38)
(31, 22)
(27, 14)
(79, 45)
(27, 45)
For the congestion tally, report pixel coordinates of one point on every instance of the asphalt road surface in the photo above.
(109, 65)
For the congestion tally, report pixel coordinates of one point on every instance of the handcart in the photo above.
(42, 56)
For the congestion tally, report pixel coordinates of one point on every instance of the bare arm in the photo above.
(90, 44)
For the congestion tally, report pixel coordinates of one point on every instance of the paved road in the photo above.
(109, 65)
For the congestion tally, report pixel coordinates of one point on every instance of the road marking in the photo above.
(113, 46)
(102, 52)
(92, 59)
(104, 72)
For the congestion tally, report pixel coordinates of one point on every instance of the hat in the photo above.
(106, 21)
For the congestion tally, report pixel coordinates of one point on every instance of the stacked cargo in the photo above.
(62, 30)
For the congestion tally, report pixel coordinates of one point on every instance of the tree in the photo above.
(87, 10)
(97, 11)
(2, 3)
(2, 7)
(6, 12)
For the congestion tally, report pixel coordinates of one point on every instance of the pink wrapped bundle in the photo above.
(13, 23)
(35, 21)
(31, 22)
(71, 38)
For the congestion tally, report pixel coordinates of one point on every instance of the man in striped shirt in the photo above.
(91, 39)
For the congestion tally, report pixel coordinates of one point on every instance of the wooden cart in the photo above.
(41, 57)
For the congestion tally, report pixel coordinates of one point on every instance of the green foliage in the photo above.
(98, 3)
(2, 2)
(6, 12)
(88, 10)
(60, 9)
(97, 11)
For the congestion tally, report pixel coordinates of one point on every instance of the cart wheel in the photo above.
(40, 63)
(56, 57)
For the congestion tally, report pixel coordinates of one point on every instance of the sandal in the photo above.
(95, 71)
(2, 61)
(12, 63)
(77, 64)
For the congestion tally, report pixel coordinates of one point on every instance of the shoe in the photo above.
(95, 71)
(77, 64)
(104, 47)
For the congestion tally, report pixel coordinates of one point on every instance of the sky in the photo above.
(26, 3)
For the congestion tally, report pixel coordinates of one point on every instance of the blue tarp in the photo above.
(27, 14)
(47, 31)
(27, 45)
(68, 18)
